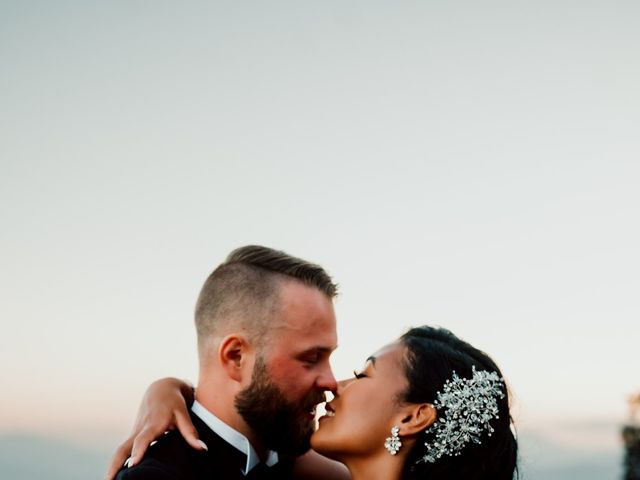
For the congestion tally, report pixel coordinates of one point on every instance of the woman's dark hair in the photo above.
(432, 355)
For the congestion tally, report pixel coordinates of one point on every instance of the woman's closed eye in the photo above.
(359, 375)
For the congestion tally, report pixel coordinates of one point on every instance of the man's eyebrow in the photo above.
(318, 350)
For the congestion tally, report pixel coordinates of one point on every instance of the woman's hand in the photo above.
(164, 407)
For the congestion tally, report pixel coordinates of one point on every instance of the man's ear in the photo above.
(233, 354)
(417, 418)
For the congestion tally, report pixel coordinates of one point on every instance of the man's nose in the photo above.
(326, 380)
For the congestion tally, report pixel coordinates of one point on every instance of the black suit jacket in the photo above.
(173, 458)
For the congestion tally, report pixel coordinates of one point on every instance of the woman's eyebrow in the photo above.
(371, 359)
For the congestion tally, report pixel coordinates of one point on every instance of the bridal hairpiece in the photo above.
(469, 404)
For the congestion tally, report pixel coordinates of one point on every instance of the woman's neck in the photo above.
(380, 467)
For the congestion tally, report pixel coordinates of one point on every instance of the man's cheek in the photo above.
(298, 385)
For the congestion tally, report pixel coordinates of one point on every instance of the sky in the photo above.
(466, 164)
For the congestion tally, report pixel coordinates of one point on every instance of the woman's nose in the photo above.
(342, 384)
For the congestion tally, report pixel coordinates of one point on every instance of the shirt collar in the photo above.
(233, 437)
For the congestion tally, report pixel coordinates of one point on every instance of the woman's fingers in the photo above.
(188, 431)
(118, 459)
(164, 407)
(132, 450)
(141, 442)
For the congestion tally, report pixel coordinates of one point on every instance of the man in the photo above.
(266, 328)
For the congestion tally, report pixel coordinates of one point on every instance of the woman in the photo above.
(428, 406)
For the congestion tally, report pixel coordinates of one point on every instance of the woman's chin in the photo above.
(322, 445)
(315, 443)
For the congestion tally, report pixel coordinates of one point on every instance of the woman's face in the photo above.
(365, 407)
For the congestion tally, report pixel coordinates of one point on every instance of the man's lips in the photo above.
(311, 408)
(310, 411)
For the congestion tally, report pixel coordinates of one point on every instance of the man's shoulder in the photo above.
(148, 470)
(171, 457)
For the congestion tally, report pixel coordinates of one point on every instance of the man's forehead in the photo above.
(292, 291)
(296, 342)
(302, 340)
(305, 322)
(302, 307)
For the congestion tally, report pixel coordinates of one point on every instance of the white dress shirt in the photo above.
(233, 437)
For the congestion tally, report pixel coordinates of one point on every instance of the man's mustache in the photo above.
(312, 401)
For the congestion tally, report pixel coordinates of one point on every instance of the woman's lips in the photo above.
(330, 412)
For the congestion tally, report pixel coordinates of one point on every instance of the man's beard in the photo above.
(279, 424)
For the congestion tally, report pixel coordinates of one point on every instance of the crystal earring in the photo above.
(393, 443)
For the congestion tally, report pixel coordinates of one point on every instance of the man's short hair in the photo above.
(243, 292)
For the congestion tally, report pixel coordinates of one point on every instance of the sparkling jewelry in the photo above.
(393, 442)
(467, 405)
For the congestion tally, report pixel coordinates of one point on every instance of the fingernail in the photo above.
(203, 445)
(127, 462)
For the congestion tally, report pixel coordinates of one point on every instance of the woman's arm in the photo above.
(165, 406)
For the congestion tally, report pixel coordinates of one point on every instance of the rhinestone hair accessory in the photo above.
(467, 406)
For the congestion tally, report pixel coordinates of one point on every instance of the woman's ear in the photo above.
(417, 418)
(234, 355)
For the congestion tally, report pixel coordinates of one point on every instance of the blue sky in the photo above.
(467, 164)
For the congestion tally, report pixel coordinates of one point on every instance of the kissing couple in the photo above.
(428, 405)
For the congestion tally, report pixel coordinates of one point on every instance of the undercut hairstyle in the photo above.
(432, 355)
(244, 291)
